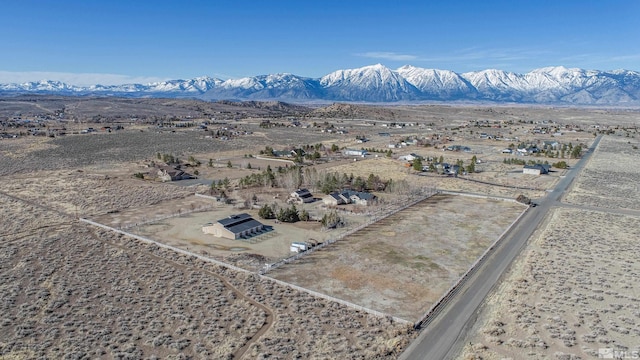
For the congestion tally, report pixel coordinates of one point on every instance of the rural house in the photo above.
(235, 227)
(349, 197)
(536, 169)
(301, 196)
(410, 157)
(170, 173)
(353, 152)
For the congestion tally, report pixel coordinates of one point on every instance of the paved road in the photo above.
(441, 338)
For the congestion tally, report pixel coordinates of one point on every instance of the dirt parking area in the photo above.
(404, 263)
(179, 223)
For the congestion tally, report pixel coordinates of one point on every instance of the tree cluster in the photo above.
(331, 182)
(332, 220)
(289, 215)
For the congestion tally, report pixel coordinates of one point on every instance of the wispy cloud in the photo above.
(516, 58)
(388, 56)
(489, 55)
(79, 79)
(626, 57)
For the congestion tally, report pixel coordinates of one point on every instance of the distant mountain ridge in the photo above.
(377, 83)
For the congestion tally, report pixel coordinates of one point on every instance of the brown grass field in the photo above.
(404, 263)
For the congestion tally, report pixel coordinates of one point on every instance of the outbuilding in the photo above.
(235, 227)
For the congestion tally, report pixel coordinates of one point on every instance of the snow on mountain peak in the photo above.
(377, 83)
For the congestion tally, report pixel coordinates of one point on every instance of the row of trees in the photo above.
(288, 177)
(330, 182)
(289, 215)
(516, 161)
(293, 177)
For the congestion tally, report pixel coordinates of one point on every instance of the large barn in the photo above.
(235, 227)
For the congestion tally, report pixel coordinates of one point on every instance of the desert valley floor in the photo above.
(72, 290)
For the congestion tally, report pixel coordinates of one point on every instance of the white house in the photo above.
(354, 152)
(410, 157)
(536, 169)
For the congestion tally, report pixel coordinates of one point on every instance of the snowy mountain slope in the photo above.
(369, 83)
(277, 86)
(377, 83)
(438, 84)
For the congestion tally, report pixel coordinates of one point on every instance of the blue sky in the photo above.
(115, 41)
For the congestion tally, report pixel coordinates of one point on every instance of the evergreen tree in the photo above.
(266, 212)
(417, 164)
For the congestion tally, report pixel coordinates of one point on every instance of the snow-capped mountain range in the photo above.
(377, 83)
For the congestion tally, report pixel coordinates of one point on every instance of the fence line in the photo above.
(206, 196)
(340, 301)
(438, 305)
(232, 267)
(178, 250)
(481, 196)
(269, 267)
(164, 217)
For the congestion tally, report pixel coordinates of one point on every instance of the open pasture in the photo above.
(404, 263)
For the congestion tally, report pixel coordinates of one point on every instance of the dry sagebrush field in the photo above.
(575, 288)
(611, 177)
(68, 290)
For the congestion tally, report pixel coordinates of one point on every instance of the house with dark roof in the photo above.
(301, 196)
(235, 227)
(170, 173)
(333, 199)
(349, 197)
(361, 198)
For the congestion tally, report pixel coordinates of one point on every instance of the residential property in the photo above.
(537, 169)
(288, 153)
(362, 198)
(349, 197)
(301, 196)
(235, 227)
(172, 173)
(447, 169)
(458, 148)
(335, 199)
(354, 152)
(410, 157)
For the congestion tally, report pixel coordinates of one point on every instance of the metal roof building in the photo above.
(235, 227)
